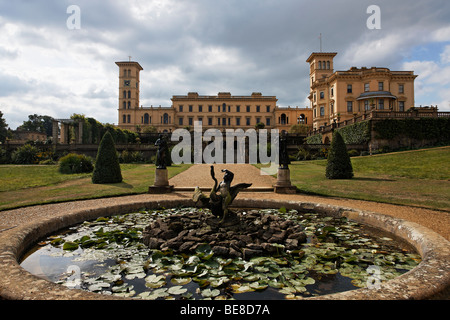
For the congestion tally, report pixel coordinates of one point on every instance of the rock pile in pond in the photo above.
(243, 234)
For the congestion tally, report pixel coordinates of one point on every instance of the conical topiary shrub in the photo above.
(339, 165)
(107, 167)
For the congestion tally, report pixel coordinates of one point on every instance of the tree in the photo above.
(339, 165)
(38, 123)
(107, 167)
(299, 129)
(3, 128)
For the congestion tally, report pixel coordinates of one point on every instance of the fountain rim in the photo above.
(430, 278)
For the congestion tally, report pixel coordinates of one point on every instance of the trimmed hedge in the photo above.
(357, 133)
(339, 165)
(424, 128)
(107, 167)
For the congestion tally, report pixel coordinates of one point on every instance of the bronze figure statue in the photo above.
(221, 196)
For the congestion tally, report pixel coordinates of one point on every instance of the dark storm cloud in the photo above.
(240, 46)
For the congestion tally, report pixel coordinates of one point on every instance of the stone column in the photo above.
(55, 130)
(283, 184)
(161, 184)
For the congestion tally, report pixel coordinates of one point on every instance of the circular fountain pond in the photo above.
(319, 255)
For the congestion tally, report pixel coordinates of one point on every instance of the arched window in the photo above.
(124, 119)
(302, 119)
(283, 118)
(124, 94)
(125, 72)
(129, 73)
(124, 104)
(320, 65)
(166, 118)
(146, 118)
(129, 94)
(129, 104)
(328, 65)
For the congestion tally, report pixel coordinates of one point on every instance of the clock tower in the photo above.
(128, 93)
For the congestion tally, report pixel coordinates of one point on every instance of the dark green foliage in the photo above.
(107, 167)
(358, 133)
(339, 165)
(426, 128)
(26, 154)
(75, 163)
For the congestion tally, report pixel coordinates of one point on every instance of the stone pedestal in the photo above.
(283, 184)
(161, 184)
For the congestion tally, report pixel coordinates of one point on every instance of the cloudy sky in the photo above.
(207, 46)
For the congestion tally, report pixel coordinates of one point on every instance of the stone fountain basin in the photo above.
(429, 279)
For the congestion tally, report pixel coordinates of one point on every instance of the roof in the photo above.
(325, 54)
(129, 63)
(376, 94)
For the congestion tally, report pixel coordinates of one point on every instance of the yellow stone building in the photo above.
(342, 95)
(222, 111)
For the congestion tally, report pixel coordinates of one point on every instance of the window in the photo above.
(322, 111)
(366, 105)
(332, 92)
(180, 108)
(401, 88)
(165, 118)
(366, 87)
(349, 88)
(190, 108)
(283, 119)
(129, 94)
(248, 108)
(224, 107)
(229, 121)
(380, 86)
(247, 121)
(238, 121)
(146, 118)
(200, 108)
(267, 121)
(180, 121)
(200, 119)
(124, 119)
(258, 109)
(328, 65)
(210, 120)
(129, 104)
(238, 108)
(401, 106)
(258, 120)
(322, 95)
(267, 108)
(124, 94)
(129, 118)
(381, 104)
(209, 108)
(190, 121)
(320, 65)
(224, 121)
(349, 106)
(124, 104)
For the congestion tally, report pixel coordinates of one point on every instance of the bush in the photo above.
(75, 163)
(26, 154)
(339, 165)
(107, 167)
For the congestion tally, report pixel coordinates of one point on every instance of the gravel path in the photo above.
(198, 175)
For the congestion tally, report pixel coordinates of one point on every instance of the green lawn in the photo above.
(419, 178)
(28, 185)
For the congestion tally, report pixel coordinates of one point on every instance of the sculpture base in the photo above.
(283, 184)
(160, 189)
(161, 184)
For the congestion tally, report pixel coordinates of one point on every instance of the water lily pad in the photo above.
(177, 290)
(208, 293)
(180, 281)
(70, 246)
